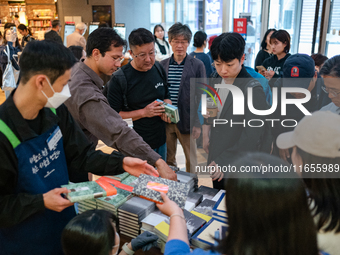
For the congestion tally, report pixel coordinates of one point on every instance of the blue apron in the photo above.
(41, 168)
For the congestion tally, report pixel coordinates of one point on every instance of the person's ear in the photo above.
(242, 59)
(96, 54)
(40, 81)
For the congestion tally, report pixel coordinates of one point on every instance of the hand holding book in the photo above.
(54, 201)
(136, 166)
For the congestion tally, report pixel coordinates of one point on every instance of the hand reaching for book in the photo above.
(144, 241)
(136, 166)
(54, 201)
(169, 207)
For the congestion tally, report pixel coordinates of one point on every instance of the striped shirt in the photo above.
(174, 79)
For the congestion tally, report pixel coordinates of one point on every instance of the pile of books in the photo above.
(170, 110)
(191, 180)
(131, 214)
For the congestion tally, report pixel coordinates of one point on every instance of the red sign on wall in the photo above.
(240, 26)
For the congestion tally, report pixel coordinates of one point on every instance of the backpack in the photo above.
(120, 76)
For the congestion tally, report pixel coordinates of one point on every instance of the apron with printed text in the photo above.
(41, 168)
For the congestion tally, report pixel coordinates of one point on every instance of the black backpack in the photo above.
(120, 76)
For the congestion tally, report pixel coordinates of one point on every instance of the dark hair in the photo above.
(331, 67)
(199, 38)
(77, 51)
(178, 29)
(283, 36)
(264, 40)
(89, 233)
(154, 31)
(102, 39)
(319, 59)
(16, 16)
(227, 47)
(140, 36)
(267, 214)
(45, 57)
(22, 27)
(325, 192)
(8, 25)
(55, 23)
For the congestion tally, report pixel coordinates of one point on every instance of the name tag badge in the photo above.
(54, 138)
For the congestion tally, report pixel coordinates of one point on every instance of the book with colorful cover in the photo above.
(170, 110)
(149, 187)
(205, 207)
(219, 210)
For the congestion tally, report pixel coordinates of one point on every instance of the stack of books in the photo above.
(131, 214)
(219, 210)
(190, 179)
(207, 192)
(152, 220)
(111, 203)
(204, 238)
(170, 110)
(87, 205)
(205, 207)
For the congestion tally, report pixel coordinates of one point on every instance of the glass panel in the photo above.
(252, 11)
(307, 26)
(190, 12)
(169, 13)
(282, 15)
(333, 32)
(213, 17)
(156, 13)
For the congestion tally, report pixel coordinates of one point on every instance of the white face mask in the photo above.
(58, 98)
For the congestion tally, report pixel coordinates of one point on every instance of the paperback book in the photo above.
(149, 187)
(170, 110)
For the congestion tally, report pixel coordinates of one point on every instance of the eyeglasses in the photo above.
(330, 91)
(143, 55)
(179, 42)
(119, 59)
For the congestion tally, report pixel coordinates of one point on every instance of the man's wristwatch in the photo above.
(127, 249)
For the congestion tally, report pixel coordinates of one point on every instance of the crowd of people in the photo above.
(61, 106)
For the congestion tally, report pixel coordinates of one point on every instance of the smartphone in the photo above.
(13, 29)
(261, 68)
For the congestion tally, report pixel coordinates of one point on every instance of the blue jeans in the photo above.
(161, 150)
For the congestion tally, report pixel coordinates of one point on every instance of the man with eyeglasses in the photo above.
(134, 88)
(90, 107)
(180, 68)
(330, 71)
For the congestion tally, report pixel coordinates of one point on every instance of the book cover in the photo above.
(220, 206)
(202, 216)
(207, 192)
(162, 230)
(205, 236)
(176, 191)
(170, 110)
(194, 222)
(153, 219)
(205, 207)
(119, 177)
(115, 200)
(84, 190)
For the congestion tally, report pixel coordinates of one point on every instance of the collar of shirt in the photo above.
(173, 62)
(95, 77)
(23, 130)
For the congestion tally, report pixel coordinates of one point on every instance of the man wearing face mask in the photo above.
(40, 145)
(53, 34)
(77, 37)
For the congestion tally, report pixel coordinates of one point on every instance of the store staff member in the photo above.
(39, 144)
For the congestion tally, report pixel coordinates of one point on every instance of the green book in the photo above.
(84, 190)
(115, 200)
(171, 111)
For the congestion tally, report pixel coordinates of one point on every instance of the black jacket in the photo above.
(273, 64)
(225, 141)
